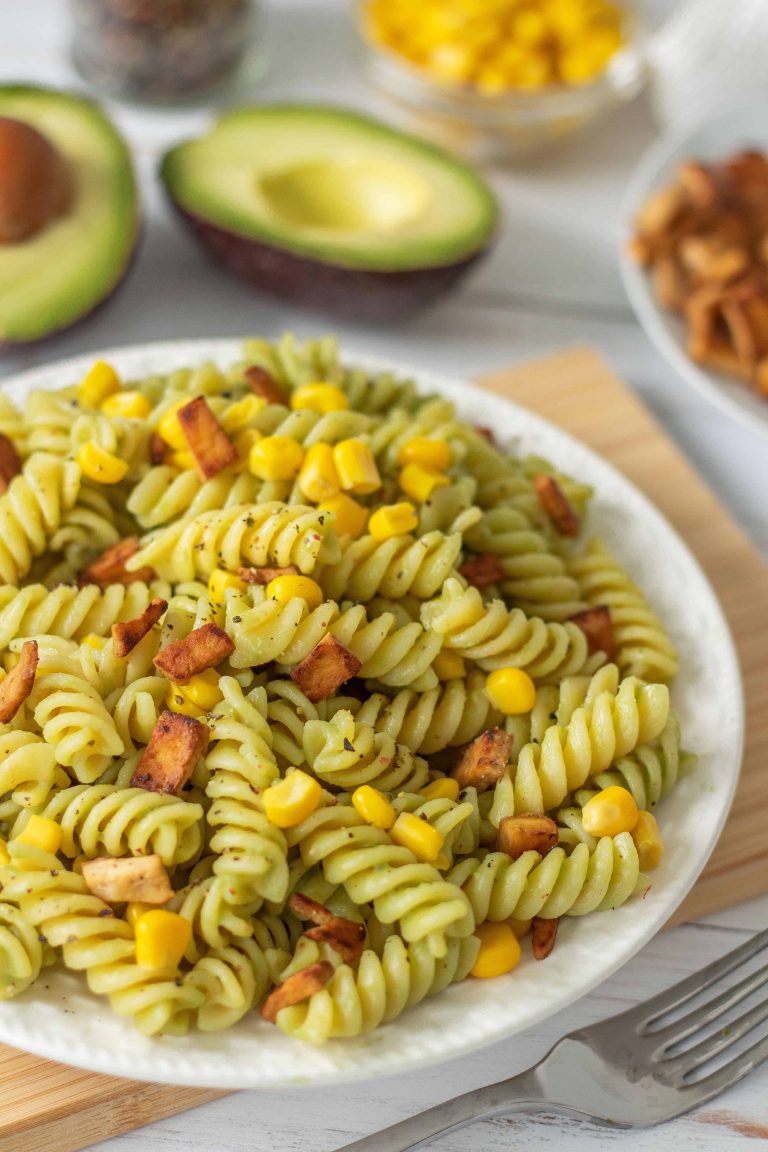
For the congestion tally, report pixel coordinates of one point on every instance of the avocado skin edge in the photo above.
(353, 293)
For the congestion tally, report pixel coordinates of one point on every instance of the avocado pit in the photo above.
(35, 183)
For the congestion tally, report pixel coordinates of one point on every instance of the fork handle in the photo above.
(521, 1093)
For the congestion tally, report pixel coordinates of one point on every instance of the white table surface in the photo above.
(552, 282)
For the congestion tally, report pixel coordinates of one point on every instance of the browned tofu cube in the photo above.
(208, 442)
(109, 568)
(17, 685)
(118, 881)
(176, 745)
(125, 636)
(10, 464)
(204, 648)
(483, 761)
(325, 669)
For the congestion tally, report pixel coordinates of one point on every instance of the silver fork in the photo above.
(630, 1071)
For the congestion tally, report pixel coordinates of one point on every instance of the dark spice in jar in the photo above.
(159, 50)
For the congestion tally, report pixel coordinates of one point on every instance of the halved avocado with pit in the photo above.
(69, 210)
(330, 208)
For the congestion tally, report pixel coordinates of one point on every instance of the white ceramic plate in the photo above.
(59, 1019)
(715, 140)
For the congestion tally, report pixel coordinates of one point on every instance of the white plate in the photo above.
(59, 1019)
(715, 140)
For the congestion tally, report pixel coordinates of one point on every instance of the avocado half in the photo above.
(332, 209)
(79, 248)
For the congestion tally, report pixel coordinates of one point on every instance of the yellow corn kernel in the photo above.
(287, 588)
(289, 801)
(500, 950)
(419, 483)
(170, 429)
(350, 517)
(432, 454)
(100, 381)
(41, 832)
(392, 520)
(412, 832)
(356, 467)
(218, 583)
(4, 854)
(323, 398)
(240, 414)
(161, 938)
(276, 458)
(128, 405)
(449, 665)
(610, 812)
(99, 465)
(374, 807)
(511, 690)
(648, 841)
(318, 478)
(136, 908)
(444, 788)
(176, 701)
(203, 690)
(95, 642)
(182, 460)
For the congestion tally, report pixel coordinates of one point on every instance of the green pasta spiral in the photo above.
(21, 952)
(347, 754)
(396, 567)
(32, 510)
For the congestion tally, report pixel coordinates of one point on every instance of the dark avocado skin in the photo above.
(349, 292)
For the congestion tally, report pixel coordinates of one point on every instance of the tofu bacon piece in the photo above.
(109, 568)
(17, 685)
(483, 569)
(597, 626)
(265, 575)
(127, 635)
(483, 761)
(204, 648)
(10, 464)
(300, 986)
(325, 668)
(544, 934)
(345, 936)
(556, 505)
(262, 384)
(528, 832)
(141, 878)
(208, 442)
(175, 746)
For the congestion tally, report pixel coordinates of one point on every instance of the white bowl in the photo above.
(715, 140)
(58, 1018)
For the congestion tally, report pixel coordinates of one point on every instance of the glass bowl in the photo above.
(491, 127)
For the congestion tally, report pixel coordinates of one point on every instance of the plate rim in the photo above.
(224, 350)
(653, 319)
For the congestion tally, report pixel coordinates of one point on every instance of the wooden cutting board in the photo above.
(46, 1107)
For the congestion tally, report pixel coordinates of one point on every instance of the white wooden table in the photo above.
(551, 282)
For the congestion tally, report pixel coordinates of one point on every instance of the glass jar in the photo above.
(161, 51)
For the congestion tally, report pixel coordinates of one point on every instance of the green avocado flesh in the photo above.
(61, 273)
(333, 186)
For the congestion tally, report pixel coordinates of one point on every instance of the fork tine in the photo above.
(705, 1014)
(735, 1070)
(691, 986)
(713, 1045)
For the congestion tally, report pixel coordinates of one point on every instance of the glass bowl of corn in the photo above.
(494, 78)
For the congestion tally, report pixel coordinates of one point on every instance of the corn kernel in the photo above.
(287, 588)
(183, 460)
(276, 458)
(351, 517)
(648, 841)
(610, 812)
(170, 429)
(100, 381)
(4, 854)
(318, 478)
(511, 690)
(218, 583)
(176, 701)
(392, 520)
(291, 800)
(374, 807)
(448, 665)
(41, 832)
(161, 938)
(95, 642)
(136, 908)
(421, 838)
(203, 690)
(99, 465)
(432, 454)
(419, 483)
(128, 405)
(323, 398)
(239, 415)
(356, 467)
(500, 950)
(445, 788)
